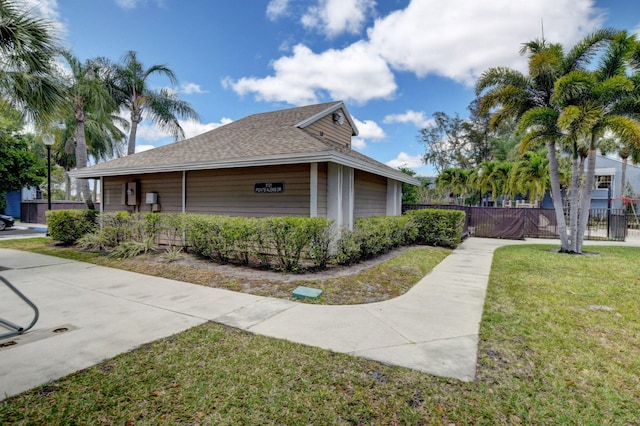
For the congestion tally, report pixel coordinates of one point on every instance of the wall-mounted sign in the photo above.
(269, 187)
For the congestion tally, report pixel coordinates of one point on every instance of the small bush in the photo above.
(437, 227)
(94, 241)
(67, 226)
(128, 249)
(374, 236)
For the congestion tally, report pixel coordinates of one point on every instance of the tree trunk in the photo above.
(67, 195)
(574, 201)
(586, 193)
(556, 195)
(81, 160)
(131, 148)
(136, 117)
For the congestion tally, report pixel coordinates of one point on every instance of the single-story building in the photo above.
(292, 162)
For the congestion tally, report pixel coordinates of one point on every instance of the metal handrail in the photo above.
(16, 329)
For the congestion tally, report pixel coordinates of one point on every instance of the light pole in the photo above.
(48, 140)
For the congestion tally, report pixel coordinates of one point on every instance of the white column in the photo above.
(347, 197)
(313, 191)
(334, 194)
(184, 191)
(394, 197)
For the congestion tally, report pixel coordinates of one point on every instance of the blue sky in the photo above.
(394, 62)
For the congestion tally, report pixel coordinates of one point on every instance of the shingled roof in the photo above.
(270, 138)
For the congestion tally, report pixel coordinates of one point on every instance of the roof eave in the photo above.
(284, 159)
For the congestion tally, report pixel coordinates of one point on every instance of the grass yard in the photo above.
(559, 345)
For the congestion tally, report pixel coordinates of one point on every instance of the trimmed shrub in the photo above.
(279, 240)
(290, 236)
(438, 227)
(67, 226)
(374, 236)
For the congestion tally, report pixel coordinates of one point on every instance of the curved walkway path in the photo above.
(432, 328)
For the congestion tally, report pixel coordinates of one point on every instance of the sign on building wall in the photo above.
(269, 187)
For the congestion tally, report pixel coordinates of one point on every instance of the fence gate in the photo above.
(520, 223)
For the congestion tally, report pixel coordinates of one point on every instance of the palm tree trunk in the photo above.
(131, 148)
(81, 160)
(556, 195)
(67, 195)
(574, 201)
(586, 193)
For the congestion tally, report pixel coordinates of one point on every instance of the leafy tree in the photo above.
(28, 78)
(445, 143)
(19, 166)
(130, 89)
(409, 192)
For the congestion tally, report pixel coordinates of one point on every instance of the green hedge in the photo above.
(68, 226)
(374, 236)
(273, 241)
(437, 227)
(286, 243)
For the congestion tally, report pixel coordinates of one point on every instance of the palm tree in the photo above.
(596, 102)
(131, 91)
(527, 98)
(86, 96)
(455, 180)
(27, 47)
(530, 176)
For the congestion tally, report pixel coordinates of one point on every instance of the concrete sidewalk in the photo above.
(432, 328)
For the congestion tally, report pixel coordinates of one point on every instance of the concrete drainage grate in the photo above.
(35, 335)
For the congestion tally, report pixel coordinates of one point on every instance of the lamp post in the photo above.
(48, 141)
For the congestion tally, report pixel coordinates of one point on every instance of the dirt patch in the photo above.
(248, 273)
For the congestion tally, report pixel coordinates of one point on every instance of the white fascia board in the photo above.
(273, 160)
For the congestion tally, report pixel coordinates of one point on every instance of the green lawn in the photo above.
(559, 345)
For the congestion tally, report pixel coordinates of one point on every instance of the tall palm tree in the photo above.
(28, 45)
(86, 96)
(163, 107)
(527, 98)
(596, 102)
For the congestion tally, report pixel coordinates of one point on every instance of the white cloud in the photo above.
(132, 4)
(147, 132)
(335, 17)
(142, 148)
(190, 88)
(417, 118)
(48, 9)
(276, 9)
(459, 39)
(369, 129)
(405, 160)
(353, 74)
(358, 143)
(193, 128)
(127, 4)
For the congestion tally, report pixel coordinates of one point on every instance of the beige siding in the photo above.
(231, 191)
(370, 196)
(331, 130)
(167, 185)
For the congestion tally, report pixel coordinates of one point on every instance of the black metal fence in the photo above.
(520, 223)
